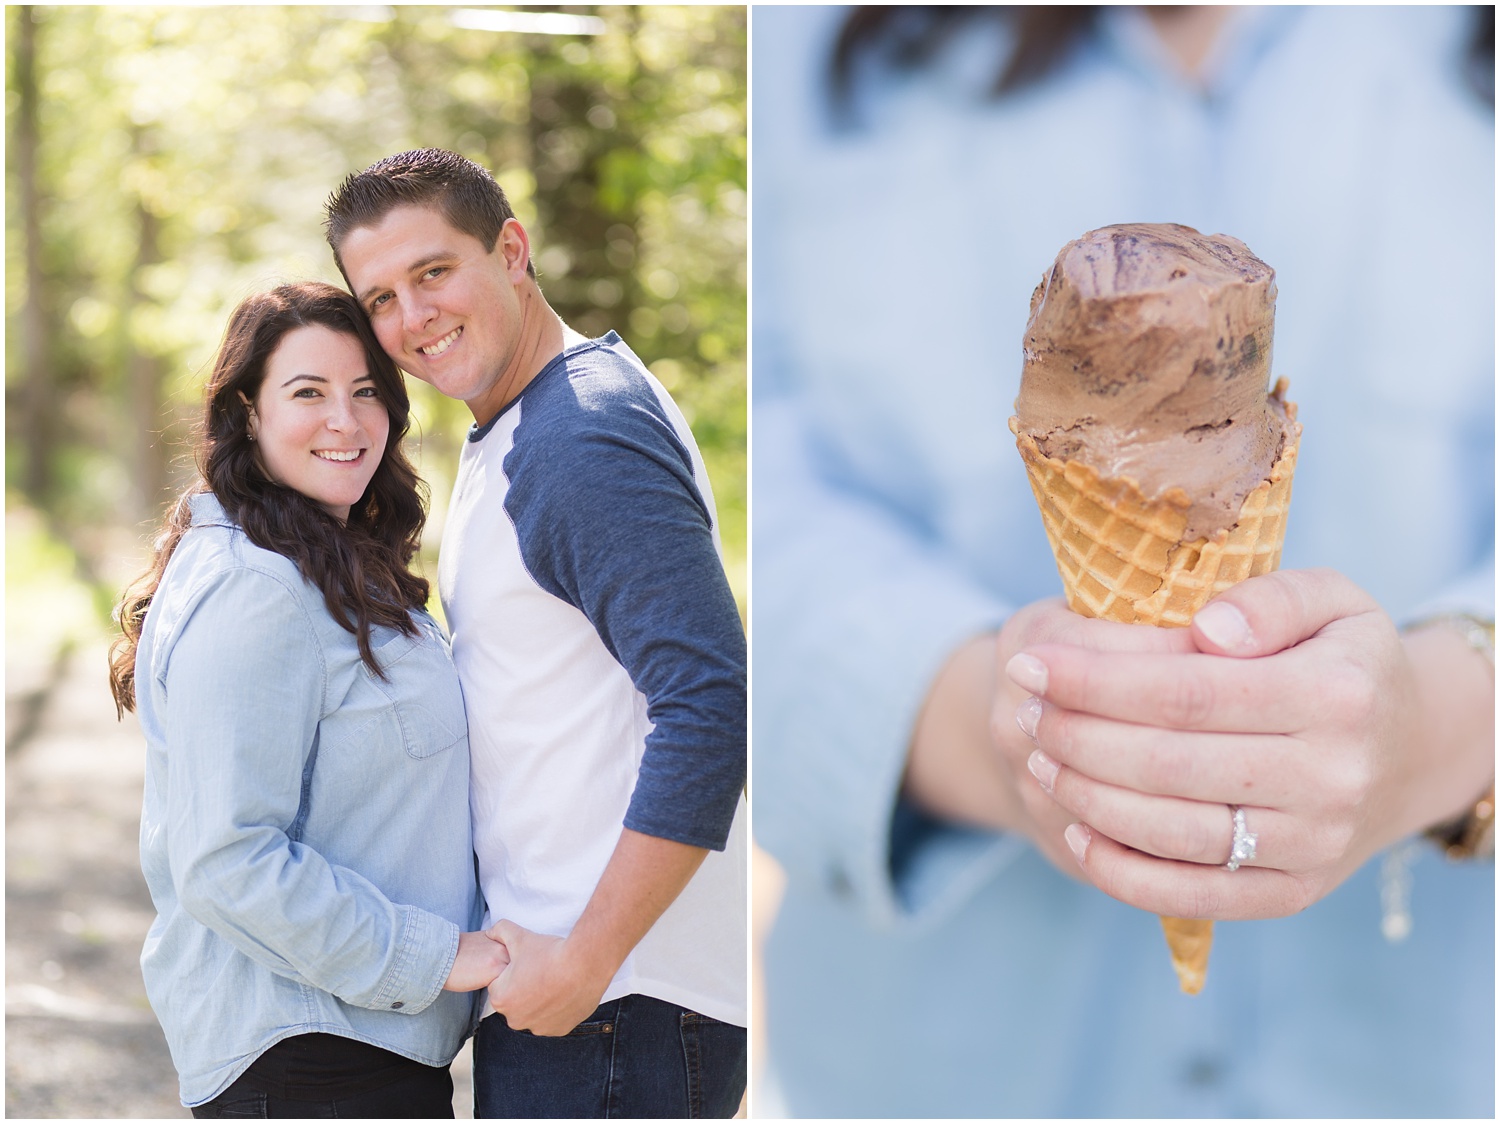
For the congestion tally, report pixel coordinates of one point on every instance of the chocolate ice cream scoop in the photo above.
(1147, 355)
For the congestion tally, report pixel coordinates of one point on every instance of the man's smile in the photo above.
(442, 345)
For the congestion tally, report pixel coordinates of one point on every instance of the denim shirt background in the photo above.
(305, 830)
(894, 265)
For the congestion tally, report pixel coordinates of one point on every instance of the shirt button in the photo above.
(839, 885)
(1204, 1072)
(396, 1006)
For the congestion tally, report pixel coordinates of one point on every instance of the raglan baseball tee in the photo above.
(603, 665)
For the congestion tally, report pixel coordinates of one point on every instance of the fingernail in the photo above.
(1028, 714)
(1028, 673)
(1225, 625)
(1078, 838)
(1043, 768)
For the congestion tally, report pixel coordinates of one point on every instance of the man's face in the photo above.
(443, 306)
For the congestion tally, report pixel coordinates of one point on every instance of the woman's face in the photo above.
(318, 422)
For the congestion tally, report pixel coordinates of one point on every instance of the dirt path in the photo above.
(80, 1039)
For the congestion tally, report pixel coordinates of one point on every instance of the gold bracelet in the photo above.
(1471, 835)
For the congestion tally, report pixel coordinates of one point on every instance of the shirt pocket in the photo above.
(422, 688)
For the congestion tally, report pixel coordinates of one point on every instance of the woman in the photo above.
(933, 897)
(305, 830)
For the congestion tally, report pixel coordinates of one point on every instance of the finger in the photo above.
(1188, 691)
(1052, 622)
(1046, 820)
(1271, 770)
(506, 932)
(1167, 827)
(1178, 889)
(1275, 611)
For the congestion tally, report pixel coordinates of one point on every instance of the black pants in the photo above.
(413, 1091)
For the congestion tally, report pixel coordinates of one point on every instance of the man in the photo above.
(601, 656)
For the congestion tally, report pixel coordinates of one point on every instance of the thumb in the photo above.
(1267, 614)
(506, 932)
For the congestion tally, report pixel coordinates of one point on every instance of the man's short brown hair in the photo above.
(466, 194)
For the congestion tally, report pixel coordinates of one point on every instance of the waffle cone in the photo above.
(1122, 558)
(1188, 940)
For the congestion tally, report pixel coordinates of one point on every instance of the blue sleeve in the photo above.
(855, 614)
(610, 520)
(856, 606)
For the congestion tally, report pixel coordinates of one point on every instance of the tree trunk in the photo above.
(39, 403)
(148, 459)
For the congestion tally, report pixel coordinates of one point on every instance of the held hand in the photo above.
(480, 959)
(546, 989)
(1299, 703)
(1051, 622)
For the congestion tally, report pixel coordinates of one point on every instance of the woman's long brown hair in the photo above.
(360, 566)
(909, 36)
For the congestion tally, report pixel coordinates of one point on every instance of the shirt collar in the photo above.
(208, 511)
(1243, 41)
(610, 338)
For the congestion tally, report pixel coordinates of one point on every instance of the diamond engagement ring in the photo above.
(1242, 846)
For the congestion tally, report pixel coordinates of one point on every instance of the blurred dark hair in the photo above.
(907, 37)
(466, 194)
(360, 566)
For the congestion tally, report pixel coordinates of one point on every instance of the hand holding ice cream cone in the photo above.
(1303, 705)
(1162, 469)
(1290, 733)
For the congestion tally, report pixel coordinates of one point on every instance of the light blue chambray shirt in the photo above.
(305, 831)
(920, 969)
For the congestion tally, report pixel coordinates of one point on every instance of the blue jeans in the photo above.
(635, 1057)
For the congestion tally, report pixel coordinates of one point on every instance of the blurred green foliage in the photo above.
(163, 163)
(55, 601)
